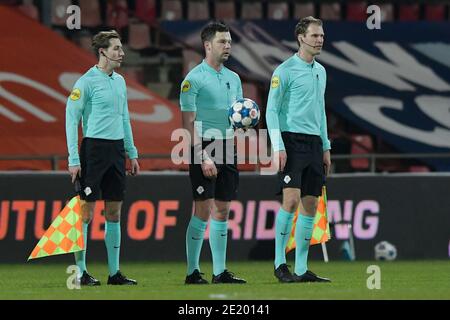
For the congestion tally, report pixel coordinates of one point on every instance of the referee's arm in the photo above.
(188, 120)
(188, 105)
(130, 148)
(74, 110)
(274, 102)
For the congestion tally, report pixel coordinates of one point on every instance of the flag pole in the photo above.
(324, 251)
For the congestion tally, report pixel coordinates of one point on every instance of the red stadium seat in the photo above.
(90, 10)
(387, 11)
(117, 14)
(251, 10)
(85, 42)
(330, 11)
(171, 10)
(224, 10)
(134, 73)
(190, 59)
(302, 10)
(361, 144)
(419, 169)
(356, 11)
(278, 10)
(434, 12)
(408, 12)
(59, 12)
(250, 90)
(145, 10)
(138, 36)
(391, 165)
(198, 10)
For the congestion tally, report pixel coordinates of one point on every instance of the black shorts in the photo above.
(225, 186)
(304, 168)
(102, 169)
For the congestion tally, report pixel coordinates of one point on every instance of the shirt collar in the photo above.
(111, 76)
(312, 64)
(211, 69)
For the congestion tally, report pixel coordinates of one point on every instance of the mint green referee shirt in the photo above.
(100, 100)
(296, 101)
(210, 93)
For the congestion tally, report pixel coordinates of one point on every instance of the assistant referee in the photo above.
(99, 99)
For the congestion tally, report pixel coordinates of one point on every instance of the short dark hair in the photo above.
(101, 40)
(209, 31)
(303, 25)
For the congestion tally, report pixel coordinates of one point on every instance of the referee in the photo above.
(206, 94)
(99, 99)
(297, 125)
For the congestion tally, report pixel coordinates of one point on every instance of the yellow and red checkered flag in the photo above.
(64, 235)
(321, 229)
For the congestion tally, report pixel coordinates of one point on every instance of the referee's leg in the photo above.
(112, 242)
(194, 240)
(202, 192)
(84, 278)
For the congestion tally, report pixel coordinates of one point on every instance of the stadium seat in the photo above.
(434, 12)
(341, 146)
(419, 169)
(356, 11)
(117, 14)
(361, 144)
(29, 9)
(135, 73)
(224, 10)
(198, 10)
(250, 90)
(171, 10)
(387, 11)
(11, 2)
(91, 16)
(138, 36)
(408, 12)
(190, 59)
(277, 10)
(391, 165)
(330, 11)
(59, 12)
(302, 10)
(251, 10)
(85, 42)
(145, 10)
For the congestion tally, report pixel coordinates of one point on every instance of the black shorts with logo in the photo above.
(102, 169)
(304, 167)
(225, 186)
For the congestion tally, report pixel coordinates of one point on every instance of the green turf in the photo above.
(399, 280)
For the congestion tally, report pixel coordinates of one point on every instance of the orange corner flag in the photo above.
(64, 235)
(321, 229)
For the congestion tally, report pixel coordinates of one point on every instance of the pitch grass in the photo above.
(399, 280)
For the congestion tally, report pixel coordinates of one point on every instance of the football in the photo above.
(385, 251)
(244, 114)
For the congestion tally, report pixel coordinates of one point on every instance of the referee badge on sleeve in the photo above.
(275, 82)
(186, 86)
(75, 94)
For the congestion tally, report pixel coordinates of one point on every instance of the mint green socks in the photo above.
(283, 226)
(112, 241)
(194, 241)
(218, 235)
(80, 256)
(303, 232)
